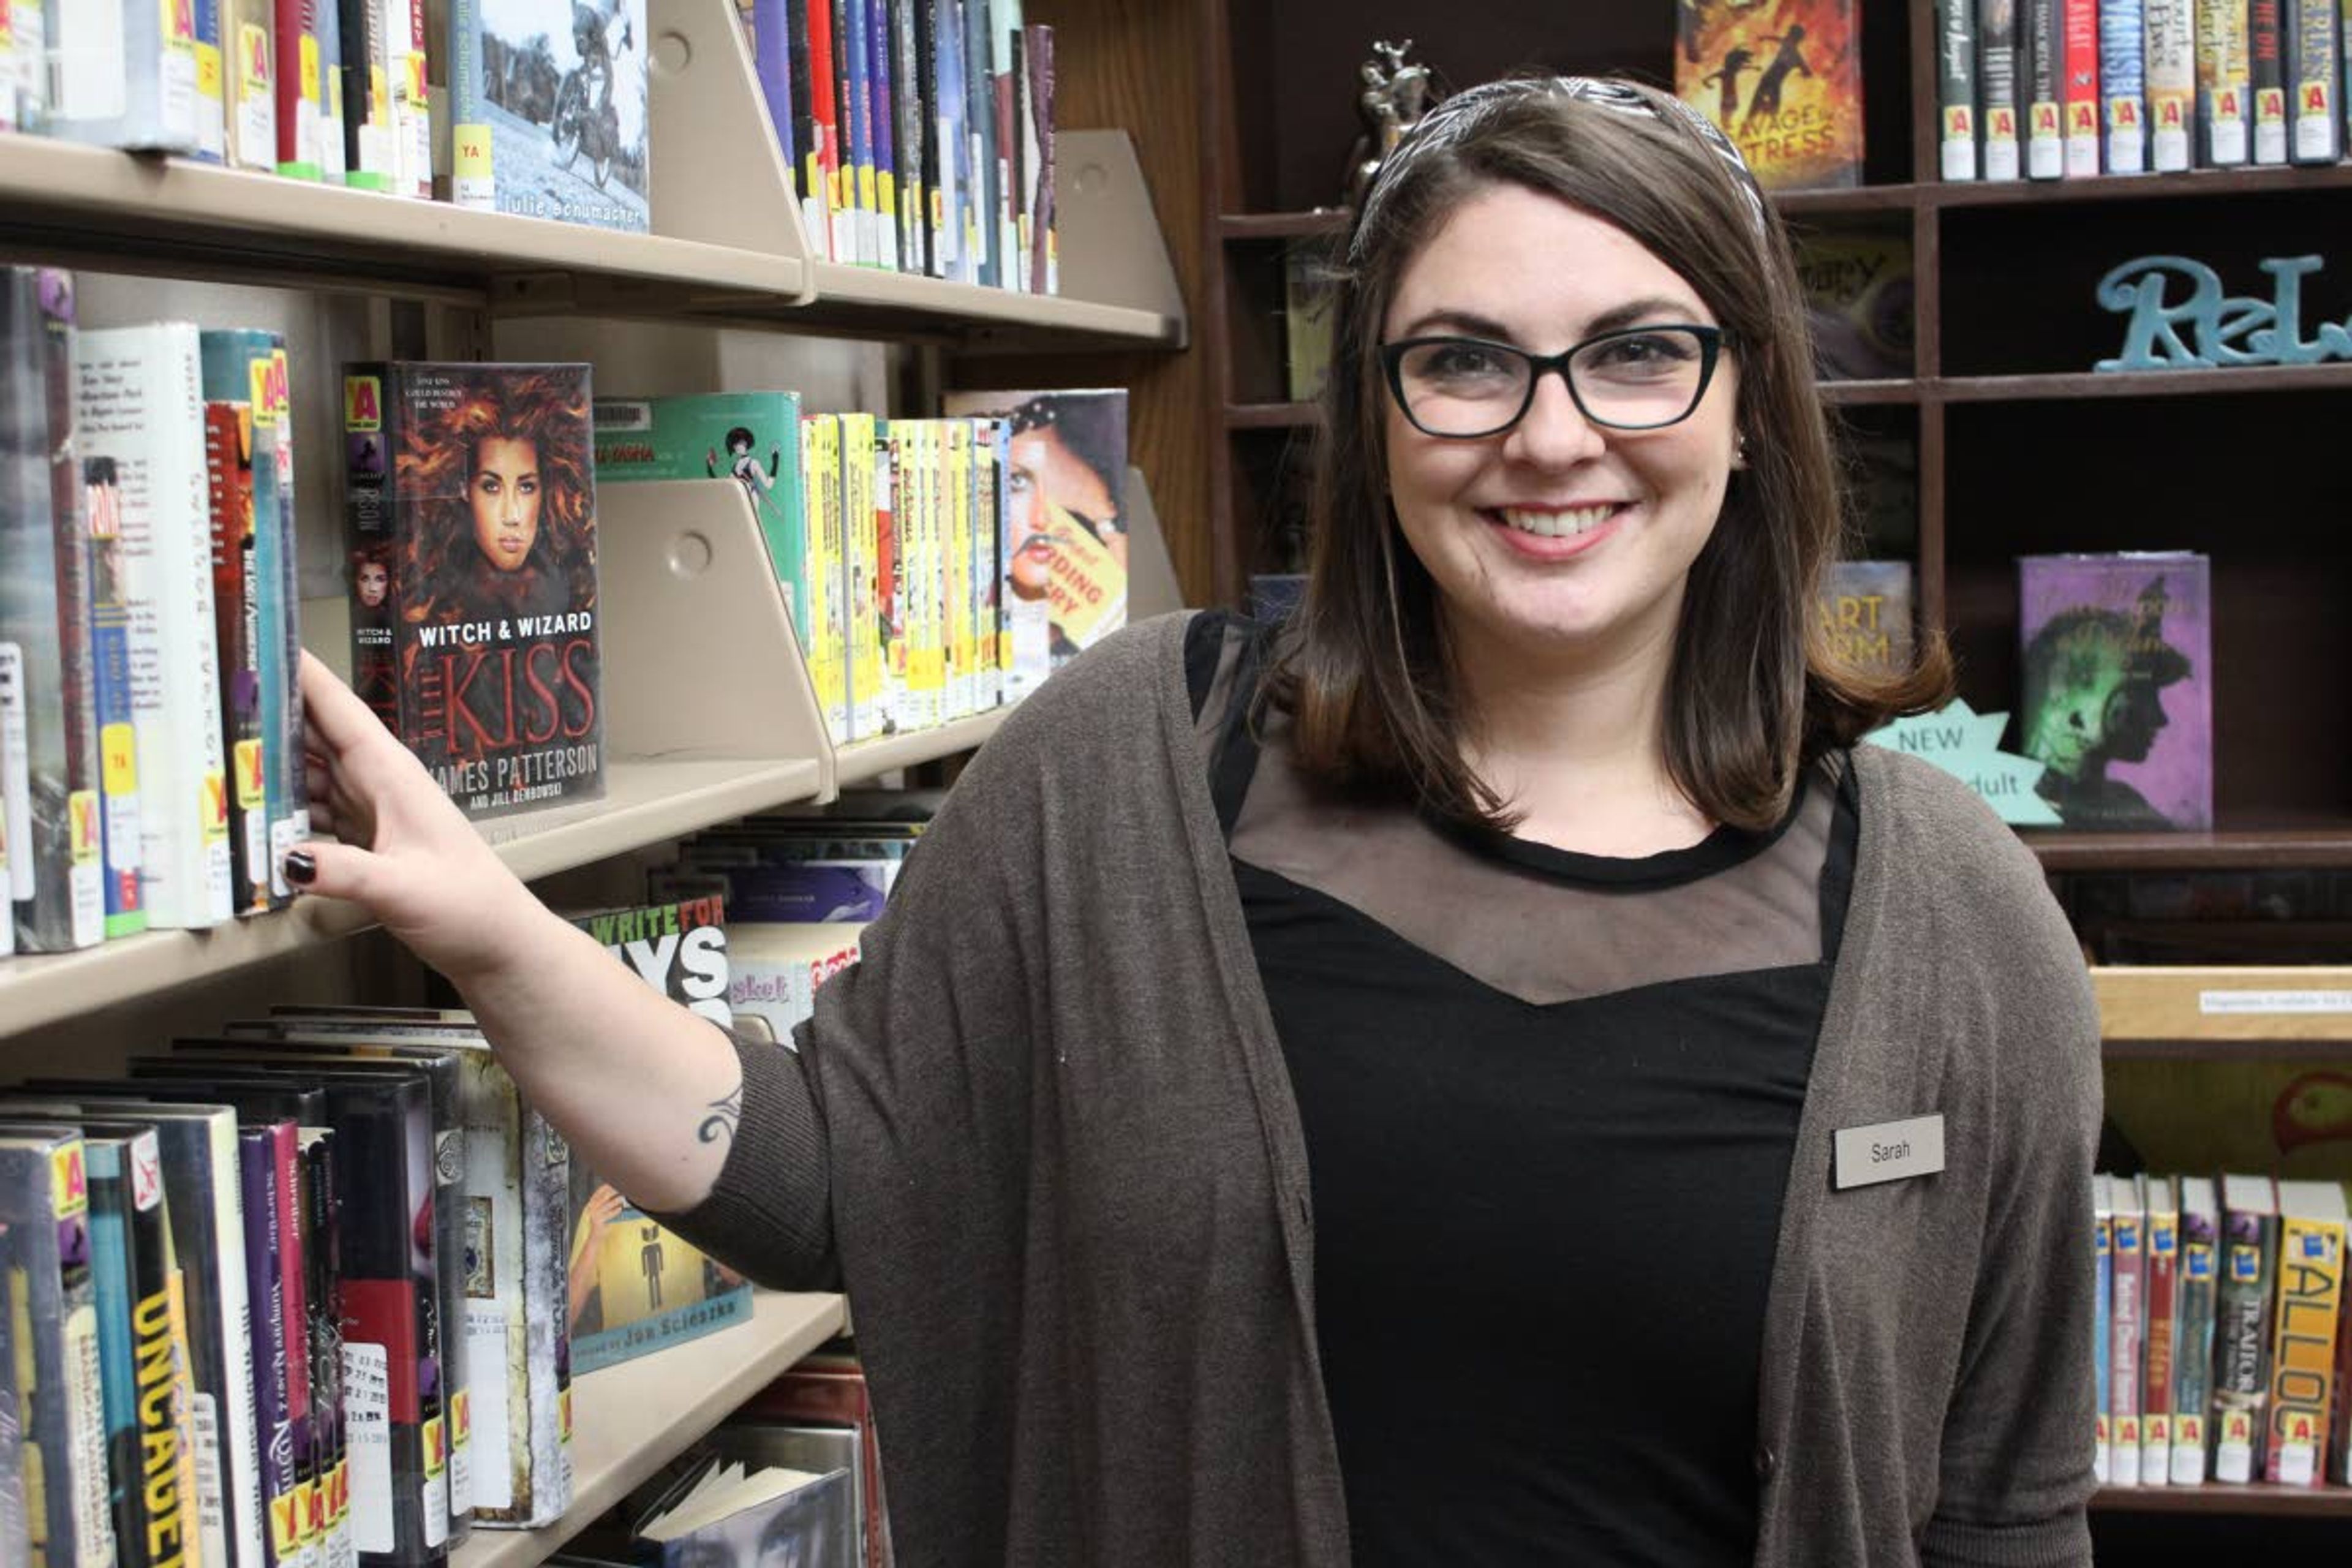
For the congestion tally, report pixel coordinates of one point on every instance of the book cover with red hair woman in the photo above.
(473, 502)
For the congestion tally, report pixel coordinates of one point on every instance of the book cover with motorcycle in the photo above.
(548, 109)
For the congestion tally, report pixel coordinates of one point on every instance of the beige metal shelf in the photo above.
(629, 1420)
(861, 761)
(2224, 1003)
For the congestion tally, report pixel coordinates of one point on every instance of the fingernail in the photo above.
(301, 867)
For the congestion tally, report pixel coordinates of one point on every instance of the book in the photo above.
(2159, 1202)
(2266, 46)
(826, 642)
(2042, 49)
(122, 73)
(805, 1413)
(2103, 1236)
(1955, 89)
(727, 1512)
(16, 1537)
(334, 150)
(237, 622)
(2080, 20)
(56, 878)
(117, 731)
(44, 1201)
(1309, 298)
(775, 968)
(2117, 699)
(475, 486)
(548, 109)
(25, 70)
(249, 41)
(2312, 1218)
(130, 1263)
(2127, 1328)
(371, 147)
(2224, 83)
(2171, 66)
(2123, 86)
(301, 90)
(635, 1286)
(321, 1211)
(2192, 1386)
(140, 402)
(2241, 1362)
(1065, 517)
(1866, 606)
(983, 230)
(1783, 82)
(2312, 32)
(1858, 299)
(1999, 109)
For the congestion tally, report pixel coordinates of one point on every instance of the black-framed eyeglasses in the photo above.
(1636, 378)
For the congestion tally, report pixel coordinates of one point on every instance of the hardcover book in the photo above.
(2102, 1234)
(1783, 81)
(2123, 85)
(2162, 1208)
(2081, 21)
(1956, 87)
(2041, 47)
(1858, 294)
(122, 73)
(1866, 606)
(2117, 688)
(2313, 30)
(2224, 82)
(2266, 48)
(1997, 87)
(1065, 540)
(548, 109)
(2126, 1330)
(728, 1511)
(2172, 40)
(45, 677)
(2192, 1376)
(117, 733)
(237, 621)
(2312, 1220)
(473, 488)
(636, 1287)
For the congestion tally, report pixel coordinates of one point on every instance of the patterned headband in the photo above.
(1458, 118)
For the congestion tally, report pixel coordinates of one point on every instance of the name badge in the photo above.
(1887, 1152)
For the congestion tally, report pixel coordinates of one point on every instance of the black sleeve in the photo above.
(1204, 644)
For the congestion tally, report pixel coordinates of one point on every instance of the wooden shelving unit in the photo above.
(2214, 1498)
(629, 1420)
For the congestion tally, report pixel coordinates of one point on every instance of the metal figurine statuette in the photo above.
(2203, 328)
(1395, 96)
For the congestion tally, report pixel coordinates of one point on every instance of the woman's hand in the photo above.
(406, 853)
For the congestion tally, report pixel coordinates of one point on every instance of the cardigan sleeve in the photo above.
(2016, 1477)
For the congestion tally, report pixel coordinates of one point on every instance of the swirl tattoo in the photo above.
(724, 1116)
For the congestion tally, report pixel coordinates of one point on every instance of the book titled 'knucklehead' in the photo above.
(473, 506)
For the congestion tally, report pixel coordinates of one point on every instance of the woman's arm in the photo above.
(648, 1093)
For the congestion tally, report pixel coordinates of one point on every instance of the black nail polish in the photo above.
(301, 867)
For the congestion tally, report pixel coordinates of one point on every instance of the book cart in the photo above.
(2020, 449)
(710, 711)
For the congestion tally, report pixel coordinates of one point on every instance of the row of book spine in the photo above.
(2067, 88)
(919, 134)
(331, 90)
(150, 622)
(2219, 1333)
(894, 545)
(291, 1298)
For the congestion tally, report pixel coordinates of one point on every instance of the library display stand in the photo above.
(709, 713)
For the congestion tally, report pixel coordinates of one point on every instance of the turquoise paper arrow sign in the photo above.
(1966, 744)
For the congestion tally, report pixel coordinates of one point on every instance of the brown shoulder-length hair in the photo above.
(547, 407)
(1756, 691)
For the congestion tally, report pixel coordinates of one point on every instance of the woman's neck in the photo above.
(1577, 751)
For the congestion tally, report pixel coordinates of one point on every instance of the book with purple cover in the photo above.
(2118, 699)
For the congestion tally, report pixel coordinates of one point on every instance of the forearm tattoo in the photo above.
(724, 1116)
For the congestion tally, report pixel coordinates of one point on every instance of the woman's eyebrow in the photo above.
(1660, 308)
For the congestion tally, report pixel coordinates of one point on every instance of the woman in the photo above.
(1426, 1086)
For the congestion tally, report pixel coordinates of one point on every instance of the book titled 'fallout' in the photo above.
(1784, 81)
(2118, 703)
(473, 509)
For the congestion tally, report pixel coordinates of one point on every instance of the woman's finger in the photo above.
(333, 718)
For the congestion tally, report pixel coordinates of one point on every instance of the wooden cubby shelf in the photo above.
(2142, 187)
(630, 1420)
(2229, 1005)
(2214, 1498)
(2245, 849)
(2221, 381)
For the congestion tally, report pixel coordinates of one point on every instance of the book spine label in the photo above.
(2224, 82)
(2081, 19)
(2171, 83)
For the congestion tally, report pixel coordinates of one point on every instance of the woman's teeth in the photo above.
(1558, 524)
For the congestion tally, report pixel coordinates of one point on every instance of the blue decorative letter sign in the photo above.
(2219, 332)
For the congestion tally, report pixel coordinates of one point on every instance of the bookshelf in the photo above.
(709, 713)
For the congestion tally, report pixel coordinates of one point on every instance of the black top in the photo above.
(1549, 1101)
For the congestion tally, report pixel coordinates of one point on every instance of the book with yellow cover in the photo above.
(2302, 1342)
(860, 547)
